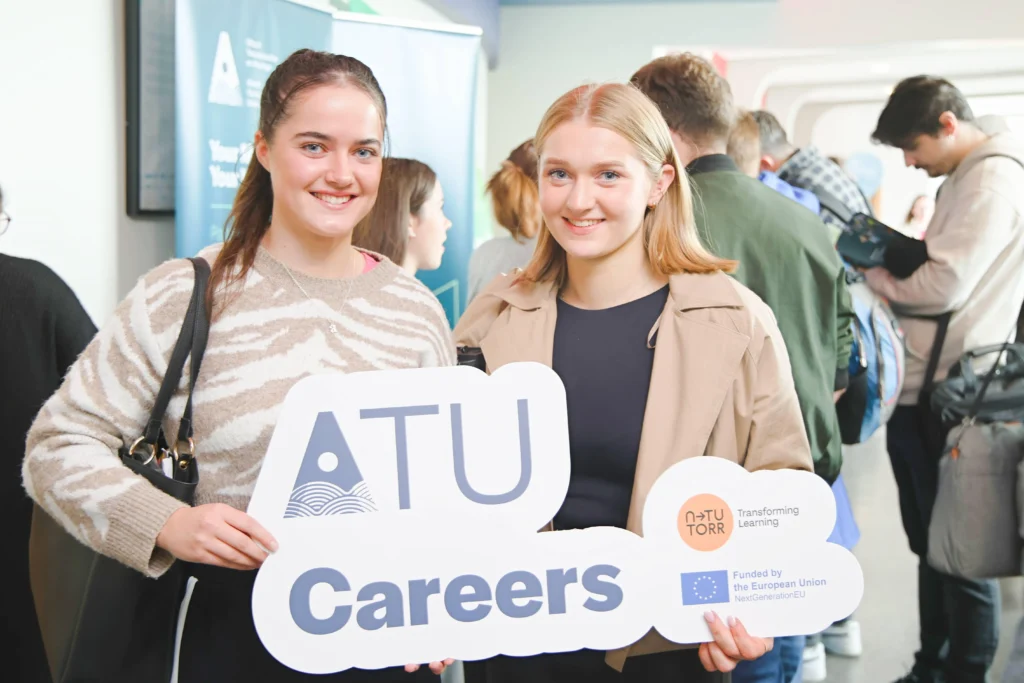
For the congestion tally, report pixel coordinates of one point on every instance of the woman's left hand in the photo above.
(437, 667)
(731, 646)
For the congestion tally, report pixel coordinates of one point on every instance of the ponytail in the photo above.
(514, 192)
(246, 225)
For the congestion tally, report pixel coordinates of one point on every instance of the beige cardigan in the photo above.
(976, 260)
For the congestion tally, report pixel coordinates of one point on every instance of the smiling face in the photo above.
(428, 230)
(594, 190)
(324, 161)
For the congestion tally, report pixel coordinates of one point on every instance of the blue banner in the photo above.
(226, 50)
(224, 53)
(429, 80)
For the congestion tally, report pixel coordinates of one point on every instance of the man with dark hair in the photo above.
(972, 278)
(808, 168)
(785, 257)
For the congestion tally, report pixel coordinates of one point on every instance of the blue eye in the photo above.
(557, 174)
(313, 147)
(366, 153)
(610, 175)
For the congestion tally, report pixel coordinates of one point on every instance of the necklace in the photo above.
(348, 290)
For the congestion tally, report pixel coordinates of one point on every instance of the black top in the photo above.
(43, 328)
(604, 362)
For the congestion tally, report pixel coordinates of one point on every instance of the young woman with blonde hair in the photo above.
(663, 355)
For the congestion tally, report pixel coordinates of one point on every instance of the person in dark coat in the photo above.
(43, 329)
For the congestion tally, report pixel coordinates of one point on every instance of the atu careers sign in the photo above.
(407, 504)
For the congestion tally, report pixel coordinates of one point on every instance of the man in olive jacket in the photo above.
(784, 251)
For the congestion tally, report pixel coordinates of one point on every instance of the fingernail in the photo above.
(709, 617)
(732, 621)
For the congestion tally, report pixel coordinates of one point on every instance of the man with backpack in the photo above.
(809, 169)
(785, 257)
(967, 295)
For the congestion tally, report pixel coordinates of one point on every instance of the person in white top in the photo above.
(975, 245)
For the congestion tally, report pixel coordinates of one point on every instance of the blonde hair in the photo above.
(669, 229)
(745, 144)
(513, 190)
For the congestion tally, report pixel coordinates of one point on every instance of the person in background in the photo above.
(808, 168)
(843, 637)
(43, 329)
(407, 224)
(640, 322)
(920, 215)
(290, 297)
(745, 149)
(513, 191)
(867, 171)
(975, 247)
(744, 144)
(785, 257)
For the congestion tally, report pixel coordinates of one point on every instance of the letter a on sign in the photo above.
(329, 480)
(225, 86)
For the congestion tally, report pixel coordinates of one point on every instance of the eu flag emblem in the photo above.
(705, 588)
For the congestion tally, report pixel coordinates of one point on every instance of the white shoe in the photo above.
(814, 663)
(843, 639)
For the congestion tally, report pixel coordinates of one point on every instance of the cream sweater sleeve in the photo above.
(71, 467)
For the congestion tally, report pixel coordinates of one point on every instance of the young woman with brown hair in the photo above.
(513, 191)
(407, 224)
(290, 297)
(663, 356)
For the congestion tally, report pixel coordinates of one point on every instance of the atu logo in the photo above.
(225, 86)
(329, 481)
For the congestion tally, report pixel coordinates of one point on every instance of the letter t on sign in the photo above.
(401, 443)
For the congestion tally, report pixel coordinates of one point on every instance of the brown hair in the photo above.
(669, 229)
(250, 215)
(745, 142)
(405, 185)
(514, 193)
(692, 96)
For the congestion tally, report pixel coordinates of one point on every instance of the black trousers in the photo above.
(682, 666)
(220, 644)
(959, 617)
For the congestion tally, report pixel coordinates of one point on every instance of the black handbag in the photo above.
(101, 621)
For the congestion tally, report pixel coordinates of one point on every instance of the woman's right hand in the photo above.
(216, 534)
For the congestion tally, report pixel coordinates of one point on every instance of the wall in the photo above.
(62, 145)
(62, 149)
(548, 50)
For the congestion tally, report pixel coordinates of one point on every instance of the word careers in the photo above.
(466, 598)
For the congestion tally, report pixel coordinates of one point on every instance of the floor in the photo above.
(888, 613)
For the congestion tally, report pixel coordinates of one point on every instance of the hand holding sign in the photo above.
(365, 471)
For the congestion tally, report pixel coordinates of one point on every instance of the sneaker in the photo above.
(843, 639)
(814, 663)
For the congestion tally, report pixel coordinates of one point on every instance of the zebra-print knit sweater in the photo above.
(269, 336)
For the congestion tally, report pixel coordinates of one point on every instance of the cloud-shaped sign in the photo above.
(370, 602)
(432, 443)
(748, 545)
(406, 506)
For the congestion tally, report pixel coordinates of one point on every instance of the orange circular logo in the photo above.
(705, 522)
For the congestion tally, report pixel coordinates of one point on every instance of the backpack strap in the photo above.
(833, 204)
